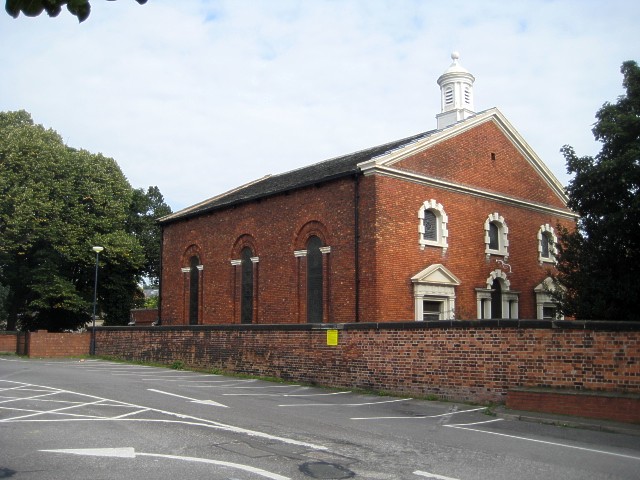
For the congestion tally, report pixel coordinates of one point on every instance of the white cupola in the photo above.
(456, 92)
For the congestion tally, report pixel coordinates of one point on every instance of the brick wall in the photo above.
(605, 405)
(8, 342)
(42, 344)
(144, 316)
(467, 361)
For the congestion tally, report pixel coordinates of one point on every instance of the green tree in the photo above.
(32, 8)
(145, 210)
(55, 204)
(4, 293)
(599, 262)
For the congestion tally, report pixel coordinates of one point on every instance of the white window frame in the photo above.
(547, 232)
(503, 236)
(442, 220)
(509, 298)
(544, 298)
(435, 284)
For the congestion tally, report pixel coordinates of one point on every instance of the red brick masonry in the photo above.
(144, 316)
(42, 344)
(8, 342)
(606, 405)
(477, 361)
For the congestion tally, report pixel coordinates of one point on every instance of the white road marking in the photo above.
(192, 400)
(545, 442)
(282, 394)
(131, 453)
(34, 397)
(475, 423)
(122, 452)
(413, 417)
(228, 384)
(344, 404)
(432, 475)
(184, 419)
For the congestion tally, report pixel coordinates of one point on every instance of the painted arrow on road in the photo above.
(128, 452)
(192, 400)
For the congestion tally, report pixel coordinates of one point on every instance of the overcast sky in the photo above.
(200, 96)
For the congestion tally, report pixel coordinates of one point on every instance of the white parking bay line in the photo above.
(432, 475)
(545, 442)
(414, 417)
(344, 404)
(282, 394)
(192, 400)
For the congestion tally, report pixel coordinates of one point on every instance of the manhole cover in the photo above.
(326, 471)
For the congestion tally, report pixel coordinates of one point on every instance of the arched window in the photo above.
(246, 298)
(547, 241)
(496, 237)
(430, 226)
(314, 280)
(433, 225)
(194, 290)
(494, 240)
(496, 299)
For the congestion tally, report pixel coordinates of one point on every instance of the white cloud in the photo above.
(198, 97)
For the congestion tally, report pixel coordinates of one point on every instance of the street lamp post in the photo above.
(95, 297)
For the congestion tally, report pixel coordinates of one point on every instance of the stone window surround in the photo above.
(437, 284)
(503, 236)
(544, 298)
(547, 231)
(510, 298)
(441, 226)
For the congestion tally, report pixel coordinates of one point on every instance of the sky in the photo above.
(198, 97)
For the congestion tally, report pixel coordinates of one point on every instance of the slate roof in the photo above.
(321, 172)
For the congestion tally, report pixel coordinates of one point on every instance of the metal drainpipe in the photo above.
(160, 276)
(356, 221)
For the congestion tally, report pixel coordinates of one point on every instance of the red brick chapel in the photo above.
(459, 222)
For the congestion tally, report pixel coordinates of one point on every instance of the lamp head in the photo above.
(97, 249)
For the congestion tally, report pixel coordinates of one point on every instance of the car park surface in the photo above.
(80, 419)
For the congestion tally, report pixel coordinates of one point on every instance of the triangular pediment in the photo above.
(436, 274)
(422, 159)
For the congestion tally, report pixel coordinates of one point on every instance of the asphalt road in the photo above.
(92, 419)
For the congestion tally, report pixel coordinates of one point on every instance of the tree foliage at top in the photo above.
(32, 8)
(599, 262)
(55, 204)
(146, 208)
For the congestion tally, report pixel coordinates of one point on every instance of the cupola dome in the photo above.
(456, 94)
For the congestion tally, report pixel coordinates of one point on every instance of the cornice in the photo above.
(476, 192)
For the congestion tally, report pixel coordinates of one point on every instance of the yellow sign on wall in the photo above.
(332, 338)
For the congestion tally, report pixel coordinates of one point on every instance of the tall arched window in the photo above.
(496, 299)
(547, 241)
(433, 225)
(496, 238)
(314, 280)
(246, 299)
(430, 226)
(194, 290)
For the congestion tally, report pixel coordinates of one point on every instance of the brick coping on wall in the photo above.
(595, 325)
(570, 391)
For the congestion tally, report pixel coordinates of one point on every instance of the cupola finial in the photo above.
(456, 93)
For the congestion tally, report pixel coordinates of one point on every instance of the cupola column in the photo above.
(456, 94)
